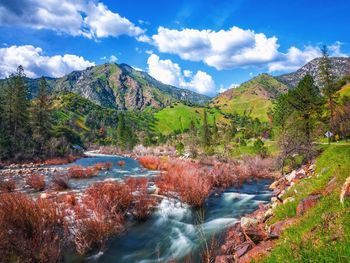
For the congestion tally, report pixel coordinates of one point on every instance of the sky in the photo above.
(205, 46)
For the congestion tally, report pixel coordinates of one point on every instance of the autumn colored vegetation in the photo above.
(61, 160)
(36, 181)
(103, 166)
(7, 186)
(60, 182)
(79, 172)
(30, 231)
(193, 182)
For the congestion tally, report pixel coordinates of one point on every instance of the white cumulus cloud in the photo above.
(235, 48)
(36, 64)
(171, 73)
(222, 49)
(86, 18)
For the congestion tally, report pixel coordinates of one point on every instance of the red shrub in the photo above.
(185, 180)
(80, 172)
(150, 162)
(60, 182)
(121, 163)
(143, 204)
(30, 231)
(103, 166)
(256, 167)
(7, 186)
(36, 181)
(102, 215)
(61, 160)
(108, 197)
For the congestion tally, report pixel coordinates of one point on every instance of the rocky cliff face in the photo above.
(340, 68)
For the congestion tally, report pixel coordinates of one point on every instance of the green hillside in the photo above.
(345, 91)
(253, 97)
(177, 117)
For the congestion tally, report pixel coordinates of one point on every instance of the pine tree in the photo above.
(306, 100)
(41, 117)
(121, 131)
(329, 87)
(16, 114)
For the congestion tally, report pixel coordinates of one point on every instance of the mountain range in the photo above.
(121, 87)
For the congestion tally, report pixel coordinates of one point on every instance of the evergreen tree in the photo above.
(16, 114)
(121, 131)
(329, 87)
(41, 117)
(306, 101)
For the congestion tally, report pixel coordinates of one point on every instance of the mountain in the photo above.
(253, 97)
(340, 68)
(120, 87)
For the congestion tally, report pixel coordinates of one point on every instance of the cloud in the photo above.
(235, 48)
(113, 59)
(232, 86)
(296, 58)
(36, 64)
(220, 49)
(170, 73)
(86, 18)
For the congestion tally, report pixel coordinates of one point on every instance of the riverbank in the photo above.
(308, 218)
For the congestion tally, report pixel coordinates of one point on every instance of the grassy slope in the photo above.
(245, 101)
(253, 96)
(323, 233)
(345, 91)
(179, 117)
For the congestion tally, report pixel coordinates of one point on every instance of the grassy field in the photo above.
(178, 117)
(323, 233)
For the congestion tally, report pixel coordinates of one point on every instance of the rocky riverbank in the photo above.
(253, 237)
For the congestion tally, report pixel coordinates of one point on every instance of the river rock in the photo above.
(256, 232)
(224, 259)
(247, 222)
(276, 229)
(242, 249)
(332, 184)
(345, 191)
(43, 196)
(274, 185)
(257, 252)
(291, 176)
(307, 203)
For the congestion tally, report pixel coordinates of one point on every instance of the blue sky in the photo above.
(205, 46)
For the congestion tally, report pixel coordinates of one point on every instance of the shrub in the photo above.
(60, 182)
(79, 172)
(102, 215)
(185, 180)
(103, 166)
(7, 186)
(36, 181)
(256, 167)
(150, 162)
(143, 204)
(121, 163)
(30, 231)
(61, 160)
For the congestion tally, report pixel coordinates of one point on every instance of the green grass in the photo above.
(178, 117)
(345, 91)
(323, 233)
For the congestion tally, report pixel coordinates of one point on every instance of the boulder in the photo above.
(307, 203)
(256, 233)
(242, 249)
(345, 191)
(332, 184)
(224, 259)
(248, 222)
(257, 252)
(234, 238)
(274, 185)
(277, 228)
(291, 176)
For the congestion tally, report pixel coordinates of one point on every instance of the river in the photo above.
(174, 231)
